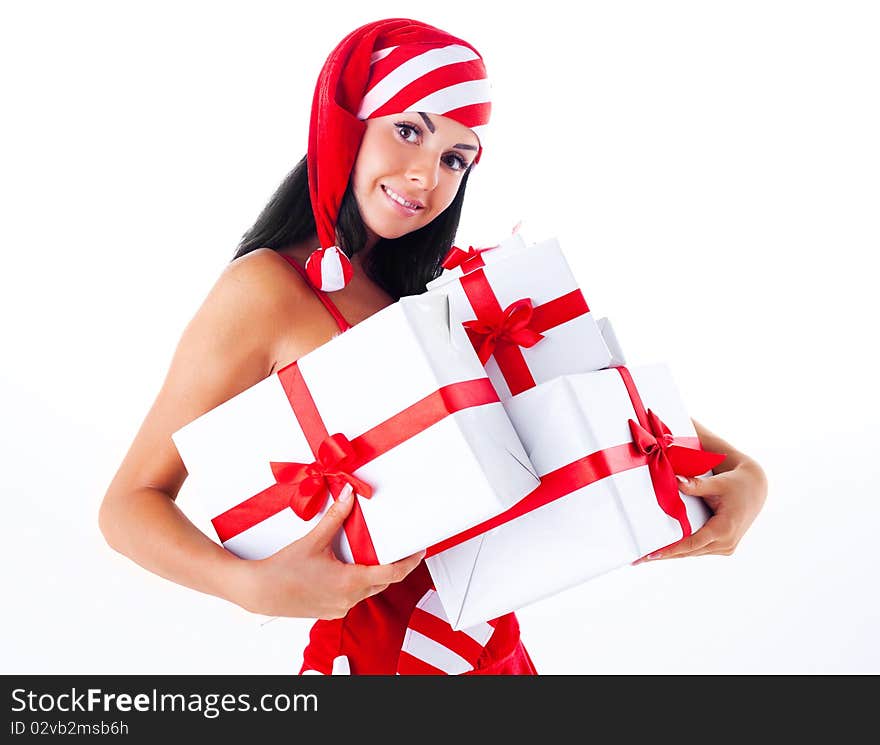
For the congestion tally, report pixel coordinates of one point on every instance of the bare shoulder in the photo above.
(276, 303)
(265, 278)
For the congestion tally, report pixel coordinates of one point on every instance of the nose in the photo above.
(424, 170)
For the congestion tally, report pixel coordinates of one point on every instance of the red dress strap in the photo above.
(322, 296)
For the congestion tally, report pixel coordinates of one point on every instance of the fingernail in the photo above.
(651, 557)
(681, 479)
(346, 494)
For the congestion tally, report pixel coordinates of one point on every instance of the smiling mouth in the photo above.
(395, 197)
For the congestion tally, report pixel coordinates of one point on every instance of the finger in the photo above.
(685, 546)
(718, 548)
(701, 486)
(373, 590)
(715, 547)
(385, 574)
(328, 526)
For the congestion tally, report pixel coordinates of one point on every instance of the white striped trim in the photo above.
(340, 667)
(410, 71)
(454, 97)
(481, 633)
(435, 654)
(430, 603)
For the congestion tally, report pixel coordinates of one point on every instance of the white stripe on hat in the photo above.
(480, 131)
(410, 71)
(381, 54)
(454, 97)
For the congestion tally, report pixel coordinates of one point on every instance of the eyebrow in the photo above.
(431, 128)
(428, 123)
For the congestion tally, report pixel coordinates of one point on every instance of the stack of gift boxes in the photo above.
(490, 420)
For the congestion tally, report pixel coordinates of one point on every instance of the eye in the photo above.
(456, 162)
(407, 131)
(412, 133)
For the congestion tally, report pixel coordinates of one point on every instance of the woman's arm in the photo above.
(228, 346)
(736, 494)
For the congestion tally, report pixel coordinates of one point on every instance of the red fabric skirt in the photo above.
(371, 635)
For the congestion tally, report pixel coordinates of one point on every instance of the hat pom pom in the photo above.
(329, 269)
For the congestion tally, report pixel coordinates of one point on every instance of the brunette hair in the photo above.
(401, 266)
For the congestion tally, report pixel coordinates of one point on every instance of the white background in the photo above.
(711, 170)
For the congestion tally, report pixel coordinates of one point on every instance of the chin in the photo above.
(391, 231)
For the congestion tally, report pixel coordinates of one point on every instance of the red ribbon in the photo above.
(511, 326)
(337, 458)
(529, 326)
(311, 481)
(467, 260)
(653, 445)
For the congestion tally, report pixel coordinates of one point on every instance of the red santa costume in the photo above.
(384, 68)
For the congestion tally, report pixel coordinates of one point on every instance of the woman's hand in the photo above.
(306, 580)
(735, 496)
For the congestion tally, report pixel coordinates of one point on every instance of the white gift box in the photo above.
(462, 469)
(610, 337)
(596, 528)
(487, 256)
(541, 274)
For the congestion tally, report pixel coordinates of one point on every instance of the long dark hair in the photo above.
(401, 266)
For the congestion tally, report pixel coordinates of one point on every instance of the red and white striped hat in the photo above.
(382, 68)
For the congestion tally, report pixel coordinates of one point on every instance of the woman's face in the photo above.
(415, 158)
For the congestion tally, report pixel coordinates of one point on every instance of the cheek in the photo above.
(367, 162)
(363, 179)
(359, 184)
(446, 191)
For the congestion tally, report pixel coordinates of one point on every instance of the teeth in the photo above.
(399, 199)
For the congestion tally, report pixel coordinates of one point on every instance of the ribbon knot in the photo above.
(657, 443)
(467, 260)
(511, 326)
(666, 459)
(310, 482)
(653, 441)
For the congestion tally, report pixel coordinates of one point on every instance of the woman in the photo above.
(396, 126)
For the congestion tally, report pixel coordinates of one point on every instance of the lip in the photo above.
(401, 209)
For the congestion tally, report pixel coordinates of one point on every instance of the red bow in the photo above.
(512, 326)
(467, 260)
(665, 460)
(311, 481)
(652, 445)
(653, 442)
(658, 443)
